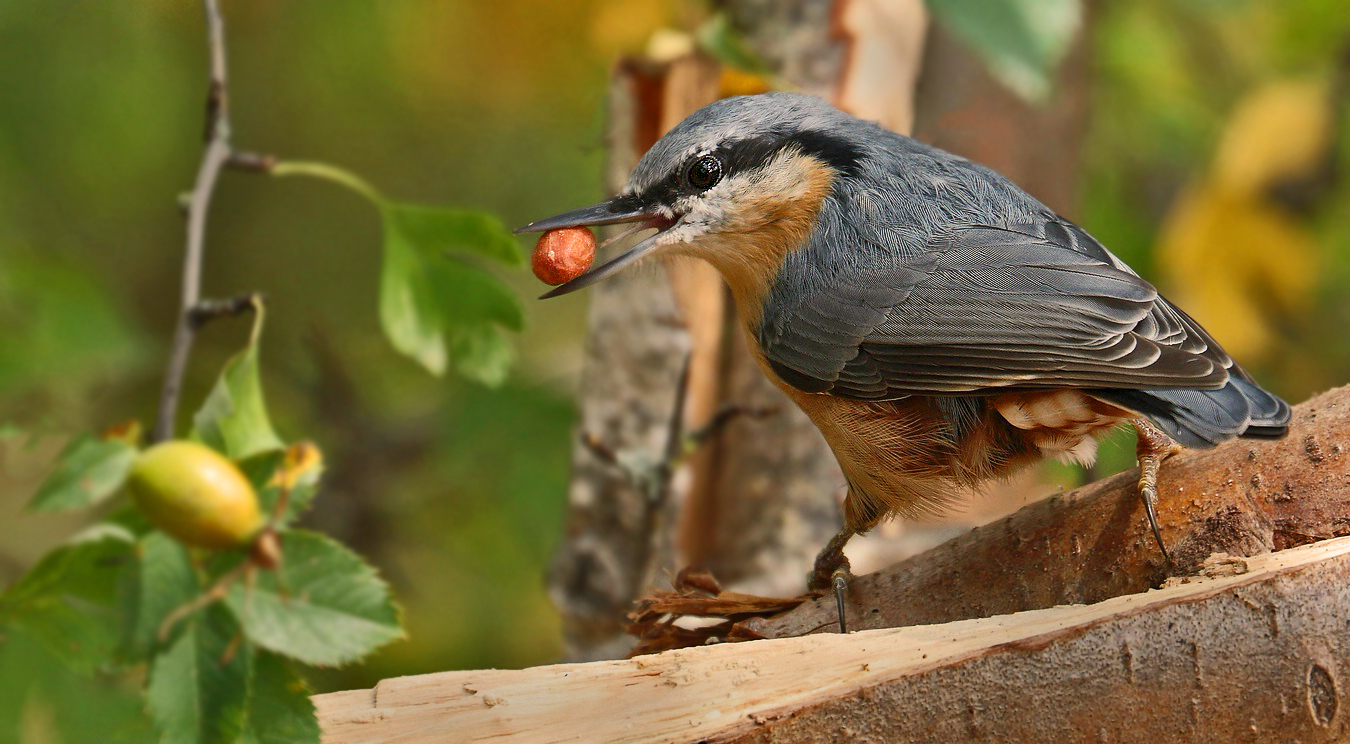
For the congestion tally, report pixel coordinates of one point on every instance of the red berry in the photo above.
(563, 255)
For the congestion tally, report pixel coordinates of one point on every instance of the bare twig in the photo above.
(217, 154)
(255, 162)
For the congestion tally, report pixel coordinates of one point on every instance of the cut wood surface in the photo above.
(1258, 656)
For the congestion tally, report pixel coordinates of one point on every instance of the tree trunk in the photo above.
(760, 497)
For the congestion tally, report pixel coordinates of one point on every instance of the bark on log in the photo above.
(1243, 498)
(1259, 656)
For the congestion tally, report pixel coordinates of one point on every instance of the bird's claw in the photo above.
(1150, 496)
(839, 580)
(1154, 446)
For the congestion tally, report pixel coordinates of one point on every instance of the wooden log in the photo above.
(1257, 656)
(1243, 498)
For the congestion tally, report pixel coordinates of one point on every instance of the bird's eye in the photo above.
(704, 173)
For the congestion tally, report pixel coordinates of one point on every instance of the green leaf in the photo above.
(279, 708)
(471, 298)
(199, 685)
(327, 608)
(483, 354)
(88, 471)
(455, 230)
(408, 309)
(434, 307)
(234, 417)
(1021, 41)
(159, 581)
(68, 601)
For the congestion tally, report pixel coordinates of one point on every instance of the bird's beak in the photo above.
(617, 210)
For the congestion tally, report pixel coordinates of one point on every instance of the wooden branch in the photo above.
(219, 153)
(1243, 498)
(214, 158)
(1250, 657)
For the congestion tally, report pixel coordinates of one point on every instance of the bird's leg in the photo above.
(1153, 447)
(831, 571)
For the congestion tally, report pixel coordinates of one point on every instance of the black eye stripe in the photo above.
(838, 153)
(747, 155)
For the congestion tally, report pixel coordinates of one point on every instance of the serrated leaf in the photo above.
(88, 471)
(233, 419)
(328, 608)
(199, 685)
(437, 229)
(1021, 41)
(279, 708)
(68, 600)
(434, 306)
(160, 580)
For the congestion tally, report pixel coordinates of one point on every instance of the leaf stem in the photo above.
(328, 173)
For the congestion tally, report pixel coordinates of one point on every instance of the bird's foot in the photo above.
(831, 573)
(1153, 447)
(839, 581)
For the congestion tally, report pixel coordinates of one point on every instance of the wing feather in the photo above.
(985, 308)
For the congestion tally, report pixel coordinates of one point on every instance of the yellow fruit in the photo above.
(196, 495)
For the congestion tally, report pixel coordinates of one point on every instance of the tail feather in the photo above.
(1204, 418)
(1269, 413)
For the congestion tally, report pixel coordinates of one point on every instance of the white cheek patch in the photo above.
(739, 202)
(788, 177)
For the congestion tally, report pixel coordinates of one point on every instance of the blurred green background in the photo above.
(456, 491)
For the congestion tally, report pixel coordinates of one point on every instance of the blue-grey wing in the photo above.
(1037, 306)
(983, 309)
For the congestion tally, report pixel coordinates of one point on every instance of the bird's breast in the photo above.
(919, 454)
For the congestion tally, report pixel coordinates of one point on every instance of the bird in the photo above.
(940, 326)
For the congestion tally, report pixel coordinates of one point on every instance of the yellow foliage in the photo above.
(1277, 132)
(1238, 264)
(738, 83)
(625, 26)
(1229, 254)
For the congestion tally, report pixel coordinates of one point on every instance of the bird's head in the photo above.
(738, 183)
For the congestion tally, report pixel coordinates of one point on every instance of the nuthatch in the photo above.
(939, 325)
